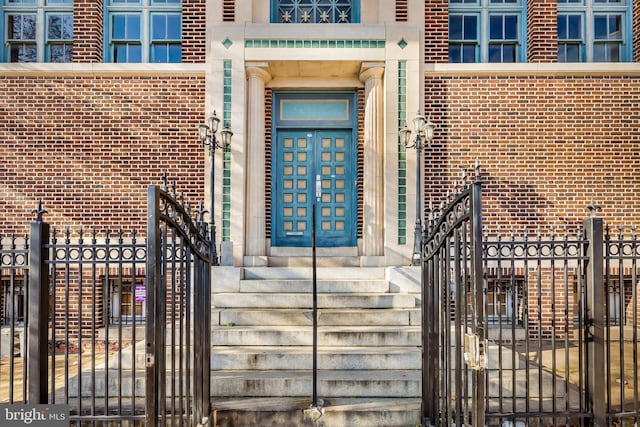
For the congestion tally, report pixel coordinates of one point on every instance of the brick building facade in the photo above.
(88, 137)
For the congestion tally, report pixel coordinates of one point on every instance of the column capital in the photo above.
(371, 70)
(258, 70)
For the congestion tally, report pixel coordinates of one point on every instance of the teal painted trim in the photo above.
(321, 44)
(402, 154)
(226, 154)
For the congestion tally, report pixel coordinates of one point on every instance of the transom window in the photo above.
(594, 30)
(486, 31)
(37, 30)
(144, 31)
(315, 11)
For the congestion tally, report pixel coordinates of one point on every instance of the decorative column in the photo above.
(373, 191)
(255, 240)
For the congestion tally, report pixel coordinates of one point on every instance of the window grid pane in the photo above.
(493, 35)
(155, 36)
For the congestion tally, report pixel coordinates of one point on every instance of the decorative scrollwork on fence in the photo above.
(177, 214)
(101, 248)
(12, 254)
(449, 216)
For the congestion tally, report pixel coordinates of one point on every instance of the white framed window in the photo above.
(143, 31)
(37, 30)
(127, 303)
(487, 30)
(594, 30)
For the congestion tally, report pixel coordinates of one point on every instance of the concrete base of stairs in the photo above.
(341, 412)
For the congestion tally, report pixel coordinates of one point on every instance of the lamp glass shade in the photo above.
(405, 134)
(429, 128)
(418, 123)
(203, 132)
(213, 122)
(226, 135)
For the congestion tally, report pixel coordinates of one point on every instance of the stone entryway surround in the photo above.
(371, 249)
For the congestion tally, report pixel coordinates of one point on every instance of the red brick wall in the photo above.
(402, 10)
(89, 146)
(436, 32)
(268, 148)
(542, 34)
(548, 146)
(194, 26)
(88, 27)
(229, 11)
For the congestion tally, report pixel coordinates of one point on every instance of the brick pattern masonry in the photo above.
(90, 145)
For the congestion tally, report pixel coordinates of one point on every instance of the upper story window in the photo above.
(37, 30)
(315, 11)
(144, 31)
(594, 30)
(486, 30)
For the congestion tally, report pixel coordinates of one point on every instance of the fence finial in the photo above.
(39, 212)
(593, 209)
(201, 211)
(477, 170)
(165, 181)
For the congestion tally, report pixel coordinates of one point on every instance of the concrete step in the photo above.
(370, 412)
(300, 357)
(306, 286)
(305, 300)
(307, 261)
(326, 317)
(306, 273)
(333, 383)
(327, 336)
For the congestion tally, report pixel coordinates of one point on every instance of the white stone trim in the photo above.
(69, 69)
(534, 69)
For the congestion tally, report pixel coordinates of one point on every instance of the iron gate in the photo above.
(178, 300)
(103, 322)
(528, 330)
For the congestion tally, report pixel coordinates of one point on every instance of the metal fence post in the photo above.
(594, 321)
(38, 311)
(153, 278)
(478, 376)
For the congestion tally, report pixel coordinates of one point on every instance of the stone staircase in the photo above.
(368, 346)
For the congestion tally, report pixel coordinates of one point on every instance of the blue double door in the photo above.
(318, 167)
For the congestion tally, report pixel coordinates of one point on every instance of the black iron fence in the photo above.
(528, 330)
(103, 322)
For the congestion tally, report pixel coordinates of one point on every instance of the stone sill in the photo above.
(537, 69)
(109, 69)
